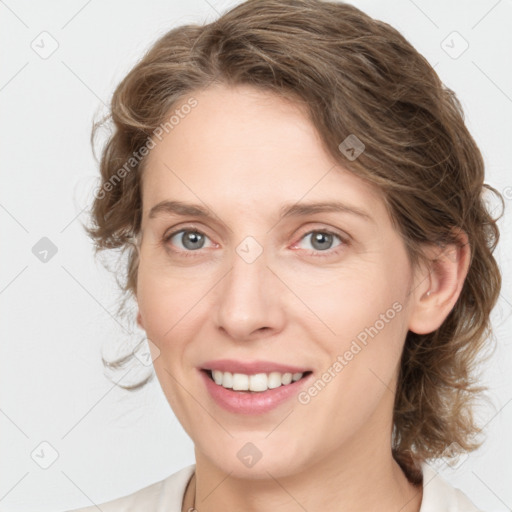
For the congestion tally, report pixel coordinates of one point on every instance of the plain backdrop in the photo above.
(60, 64)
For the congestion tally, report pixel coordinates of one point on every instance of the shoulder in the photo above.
(165, 495)
(440, 496)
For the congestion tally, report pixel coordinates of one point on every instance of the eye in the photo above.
(322, 240)
(191, 239)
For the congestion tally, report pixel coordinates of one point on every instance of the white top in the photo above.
(167, 495)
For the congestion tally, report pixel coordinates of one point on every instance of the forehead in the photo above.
(250, 149)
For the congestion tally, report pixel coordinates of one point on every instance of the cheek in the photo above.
(350, 299)
(167, 310)
(164, 305)
(364, 310)
(361, 367)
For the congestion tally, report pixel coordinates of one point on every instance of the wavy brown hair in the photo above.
(353, 75)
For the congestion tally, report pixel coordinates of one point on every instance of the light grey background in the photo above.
(58, 315)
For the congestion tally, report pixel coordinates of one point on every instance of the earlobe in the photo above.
(436, 289)
(139, 320)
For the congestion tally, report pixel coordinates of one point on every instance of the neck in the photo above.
(375, 483)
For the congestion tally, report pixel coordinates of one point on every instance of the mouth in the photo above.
(253, 394)
(254, 383)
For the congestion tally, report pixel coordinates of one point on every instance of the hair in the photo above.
(354, 76)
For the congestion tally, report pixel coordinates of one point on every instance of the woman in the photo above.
(308, 377)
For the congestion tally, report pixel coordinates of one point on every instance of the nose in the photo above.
(249, 300)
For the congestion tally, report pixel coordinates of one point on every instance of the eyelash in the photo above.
(327, 253)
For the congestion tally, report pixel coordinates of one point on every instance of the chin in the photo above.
(257, 460)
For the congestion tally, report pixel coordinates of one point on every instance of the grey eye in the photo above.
(321, 240)
(191, 240)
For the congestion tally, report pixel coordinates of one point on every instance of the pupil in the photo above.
(318, 238)
(192, 239)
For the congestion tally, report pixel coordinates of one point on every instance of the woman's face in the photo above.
(267, 278)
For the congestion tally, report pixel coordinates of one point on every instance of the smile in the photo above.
(252, 394)
(258, 382)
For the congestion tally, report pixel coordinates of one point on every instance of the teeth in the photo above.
(258, 382)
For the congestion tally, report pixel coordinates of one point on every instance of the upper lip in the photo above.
(250, 367)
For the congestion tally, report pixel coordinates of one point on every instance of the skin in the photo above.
(244, 153)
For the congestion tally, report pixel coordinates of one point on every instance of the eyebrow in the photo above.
(288, 210)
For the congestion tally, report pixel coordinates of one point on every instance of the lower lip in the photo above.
(249, 402)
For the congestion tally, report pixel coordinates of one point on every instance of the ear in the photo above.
(437, 288)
